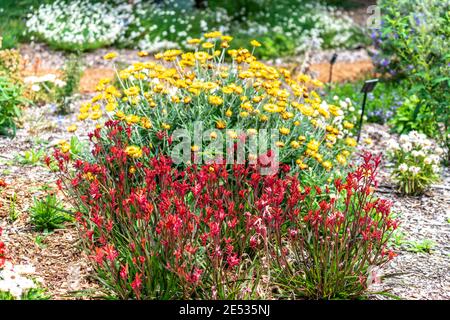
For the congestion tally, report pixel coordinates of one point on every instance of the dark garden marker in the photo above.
(332, 62)
(368, 86)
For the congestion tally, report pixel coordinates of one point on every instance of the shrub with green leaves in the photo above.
(405, 121)
(413, 44)
(48, 214)
(10, 101)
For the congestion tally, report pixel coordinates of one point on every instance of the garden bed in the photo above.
(66, 274)
(111, 187)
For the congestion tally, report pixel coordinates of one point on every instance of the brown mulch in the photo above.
(343, 71)
(92, 76)
(88, 81)
(59, 262)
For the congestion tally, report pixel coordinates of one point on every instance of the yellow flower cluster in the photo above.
(227, 89)
(64, 146)
(133, 151)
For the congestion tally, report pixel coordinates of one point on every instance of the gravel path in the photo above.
(426, 218)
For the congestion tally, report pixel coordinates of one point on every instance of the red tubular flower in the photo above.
(110, 252)
(99, 255)
(124, 272)
(233, 260)
(137, 284)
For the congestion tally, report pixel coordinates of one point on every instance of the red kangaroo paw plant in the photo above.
(154, 231)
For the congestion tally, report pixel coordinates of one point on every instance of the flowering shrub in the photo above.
(308, 25)
(155, 26)
(155, 231)
(236, 100)
(10, 90)
(158, 25)
(412, 44)
(10, 63)
(78, 25)
(416, 162)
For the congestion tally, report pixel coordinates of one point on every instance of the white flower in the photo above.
(414, 170)
(12, 281)
(393, 145)
(407, 146)
(417, 153)
(403, 138)
(59, 83)
(24, 269)
(48, 77)
(403, 167)
(30, 79)
(434, 159)
(343, 104)
(35, 88)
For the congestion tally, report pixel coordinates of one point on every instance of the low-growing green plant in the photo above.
(13, 213)
(271, 46)
(48, 213)
(78, 147)
(78, 25)
(13, 22)
(398, 238)
(404, 120)
(39, 240)
(416, 161)
(31, 157)
(422, 246)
